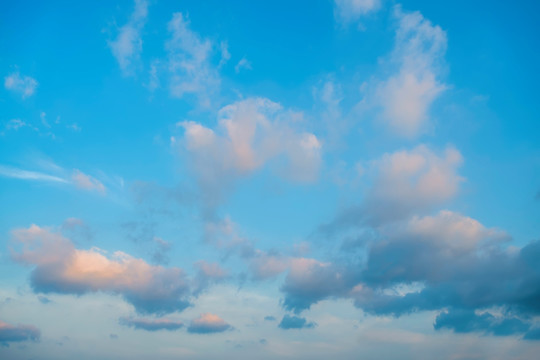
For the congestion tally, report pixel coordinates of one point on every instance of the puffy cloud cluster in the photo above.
(127, 46)
(151, 324)
(61, 268)
(419, 53)
(208, 324)
(16, 333)
(23, 85)
(250, 133)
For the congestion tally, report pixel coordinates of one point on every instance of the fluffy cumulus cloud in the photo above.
(406, 96)
(22, 85)
(151, 324)
(190, 62)
(295, 322)
(16, 333)
(251, 133)
(208, 324)
(61, 268)
(127, 46)
(346, 11)
(87, 182)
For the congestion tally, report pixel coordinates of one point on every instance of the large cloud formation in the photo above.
(61, 268)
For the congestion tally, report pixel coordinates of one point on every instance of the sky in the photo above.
(269, 179)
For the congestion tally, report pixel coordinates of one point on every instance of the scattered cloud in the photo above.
(189, 62)
(406, 96)
(61, 268)
(208, 324)
(127, 46)
(86, 182)
(243, 64)
(295, 322)
(22, 85)
(347, 11)
(151, 324)
(16, 333)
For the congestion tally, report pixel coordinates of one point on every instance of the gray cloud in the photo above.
(295, 322)
(151, 324)
(208, 324)
(17, 333)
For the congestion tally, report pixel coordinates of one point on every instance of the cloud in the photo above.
(444, 262)
(406, 182)
(61, 268)
(151, 324)
(269, 318)
(250, 133)
(406, 97)
(189, 62)
(86, 182)
(347, 11)
(16, 333)
(208, 324)
(225, 54)
(15, 124)
(208, 273)
(243, 64)
(127, 46)
(29, 175)
(466, 321)
(23, 85)
(295, 322)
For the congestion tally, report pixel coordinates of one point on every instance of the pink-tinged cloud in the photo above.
(207, 324)
(16, 333)
(87, 182)
(61, 268)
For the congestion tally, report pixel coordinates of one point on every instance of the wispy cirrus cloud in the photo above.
(29, 175)
(77, 178)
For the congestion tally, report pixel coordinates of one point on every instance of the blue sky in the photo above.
(307, 180)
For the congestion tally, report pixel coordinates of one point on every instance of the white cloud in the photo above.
(243, 64)
(189, 63)
(23, 85)
(347, 11)
(87, 182)
(127, 46)
(250, 133)
(29, 175)
(419, 53)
